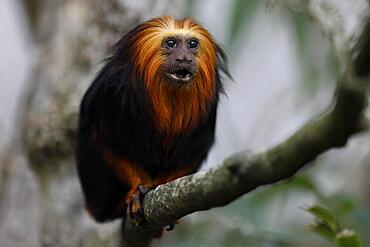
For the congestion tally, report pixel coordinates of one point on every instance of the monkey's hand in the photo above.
(134, 200)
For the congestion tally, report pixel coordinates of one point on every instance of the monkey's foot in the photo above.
(134, 204)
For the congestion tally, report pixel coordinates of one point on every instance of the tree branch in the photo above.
(244, 172)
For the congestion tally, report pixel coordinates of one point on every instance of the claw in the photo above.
(134, 204)
(143, 190)
(172, 226)
(134, 208)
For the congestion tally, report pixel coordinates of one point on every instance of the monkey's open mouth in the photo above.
(181, 75)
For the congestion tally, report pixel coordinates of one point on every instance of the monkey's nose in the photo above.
(184, 60)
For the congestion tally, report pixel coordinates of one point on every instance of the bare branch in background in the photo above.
(32, 9)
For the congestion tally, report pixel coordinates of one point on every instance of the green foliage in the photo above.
(327, 226)
(348, 238)
(326, 218)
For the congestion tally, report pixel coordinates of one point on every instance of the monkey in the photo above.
(149, 116)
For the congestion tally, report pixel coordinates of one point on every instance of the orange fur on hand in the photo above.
(128, 172)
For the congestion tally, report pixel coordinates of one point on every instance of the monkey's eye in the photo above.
(193, 44)
(171, 43)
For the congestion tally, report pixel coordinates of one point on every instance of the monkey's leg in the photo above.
(139, 182)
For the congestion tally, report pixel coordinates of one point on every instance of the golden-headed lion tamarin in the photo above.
(149, 116)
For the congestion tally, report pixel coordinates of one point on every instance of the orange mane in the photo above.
(175, 110)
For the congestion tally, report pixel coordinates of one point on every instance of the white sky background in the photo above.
(261, 106)
(266, 103)
(14, 64)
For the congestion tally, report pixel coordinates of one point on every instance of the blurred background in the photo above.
(284, 73)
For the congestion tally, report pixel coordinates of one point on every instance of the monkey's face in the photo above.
(177, 61)
(180, 58)
(167, 52)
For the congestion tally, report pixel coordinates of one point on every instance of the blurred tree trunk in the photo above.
(40, 198)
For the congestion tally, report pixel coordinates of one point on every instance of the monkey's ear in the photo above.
(222, 62)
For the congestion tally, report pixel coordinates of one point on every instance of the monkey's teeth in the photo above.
(181, 77)
(174, 77)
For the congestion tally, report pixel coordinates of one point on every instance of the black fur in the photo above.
(116, 108)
